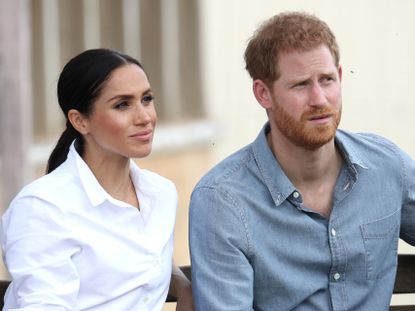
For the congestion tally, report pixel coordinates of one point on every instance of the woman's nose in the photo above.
(141, 115)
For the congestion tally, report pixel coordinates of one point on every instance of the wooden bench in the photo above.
(405, 280)
(404, 284)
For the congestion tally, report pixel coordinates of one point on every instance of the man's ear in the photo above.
(78, 121)
(262, 93)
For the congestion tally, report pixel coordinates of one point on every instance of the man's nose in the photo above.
(317, 95)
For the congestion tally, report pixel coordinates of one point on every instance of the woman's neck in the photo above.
(113, 174)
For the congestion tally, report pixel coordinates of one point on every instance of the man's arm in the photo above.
(222, 276)
(408, 209)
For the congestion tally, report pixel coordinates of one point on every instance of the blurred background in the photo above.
(192, 51)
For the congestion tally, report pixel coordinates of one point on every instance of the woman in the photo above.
(96, 232)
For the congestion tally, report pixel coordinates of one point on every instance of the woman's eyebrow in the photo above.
(128, 96)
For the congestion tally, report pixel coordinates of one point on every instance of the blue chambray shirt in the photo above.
(254, 246)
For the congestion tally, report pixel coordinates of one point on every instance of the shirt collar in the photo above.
(345, 145)
(94, 191)
(147, 189)
(143, 181)
(277, 182)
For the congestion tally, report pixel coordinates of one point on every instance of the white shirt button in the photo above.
(336, 276)
(296, 195)
(333, 232)
(145, 299)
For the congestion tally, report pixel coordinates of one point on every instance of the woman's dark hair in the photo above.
(79, 84)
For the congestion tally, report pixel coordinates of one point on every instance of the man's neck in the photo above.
(303, 165)
(313, 172)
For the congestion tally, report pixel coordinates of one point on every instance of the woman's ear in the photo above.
(78, 121)
(262, 93)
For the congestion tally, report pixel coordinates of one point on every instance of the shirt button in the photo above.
(145, 299)
(333, 232)
(296, 195)
(336, 276)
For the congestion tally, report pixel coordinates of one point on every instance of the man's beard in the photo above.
(303, 134)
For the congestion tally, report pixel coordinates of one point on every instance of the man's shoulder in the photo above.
(365, 140)
(228, 169)
(369, 147)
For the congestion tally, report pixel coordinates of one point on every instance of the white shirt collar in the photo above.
(146, 188)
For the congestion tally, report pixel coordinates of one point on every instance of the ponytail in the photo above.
(60, 152)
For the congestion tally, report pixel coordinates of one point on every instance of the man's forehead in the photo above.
(297, 61)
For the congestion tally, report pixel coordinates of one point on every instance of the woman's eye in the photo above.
(147, 99)
(121, 105)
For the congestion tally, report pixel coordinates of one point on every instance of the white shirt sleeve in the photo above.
(39, 251)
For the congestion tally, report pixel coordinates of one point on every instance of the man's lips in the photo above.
(323, 118)
(319, 117)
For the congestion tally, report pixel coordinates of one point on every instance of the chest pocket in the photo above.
(380, 239)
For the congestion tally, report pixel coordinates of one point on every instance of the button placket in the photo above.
(334, 245)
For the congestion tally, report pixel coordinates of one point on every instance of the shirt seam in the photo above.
(243, 219)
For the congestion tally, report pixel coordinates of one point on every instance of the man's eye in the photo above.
(300, 84)
(328, 79)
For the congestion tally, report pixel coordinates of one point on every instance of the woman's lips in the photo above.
(143, 136)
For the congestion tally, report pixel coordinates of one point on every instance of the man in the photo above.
(307, 217)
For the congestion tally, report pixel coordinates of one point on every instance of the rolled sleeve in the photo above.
(38, 252)
(222, 276)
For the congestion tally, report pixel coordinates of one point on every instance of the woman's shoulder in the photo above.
(56, 181)
(51, 189)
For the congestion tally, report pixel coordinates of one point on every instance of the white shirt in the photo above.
(69, 245)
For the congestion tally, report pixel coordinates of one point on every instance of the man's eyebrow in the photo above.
(298, 80)
(328, 73)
